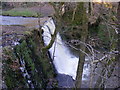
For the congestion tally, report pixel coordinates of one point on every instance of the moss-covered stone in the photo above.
(11, 72)
(38, 66)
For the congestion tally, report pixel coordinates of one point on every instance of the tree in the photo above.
(75, 16)
(83, 38)
(118, 29)
(118, 41)
(57, 16)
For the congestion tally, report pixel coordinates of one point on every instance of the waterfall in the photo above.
(64, 61)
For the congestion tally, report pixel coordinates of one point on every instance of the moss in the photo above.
(37, 64)
(47, 69)
(73, 28)
(67, 17)
(79, 17)
(103, 33)
(25, 53)
(30, 51)
(104, 36)
(12, 75)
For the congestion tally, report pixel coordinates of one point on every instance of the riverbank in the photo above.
(27, 50)
(11, 35)
(21, 43)
(41, 10)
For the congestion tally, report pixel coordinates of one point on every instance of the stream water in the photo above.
(64, 62)
(9, 20)
(29, 22)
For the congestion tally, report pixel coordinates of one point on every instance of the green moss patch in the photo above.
(38, 65)
(11, 72)
(20, 12)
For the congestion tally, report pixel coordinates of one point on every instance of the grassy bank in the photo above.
(20, 12)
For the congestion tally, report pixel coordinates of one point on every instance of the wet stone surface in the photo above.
(11, 35)
(65, 81)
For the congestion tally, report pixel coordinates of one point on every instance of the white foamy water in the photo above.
(64, 61)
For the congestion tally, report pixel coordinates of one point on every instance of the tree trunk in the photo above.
(82, 47)
(57, 16)
(118, 42)
(118, 36)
